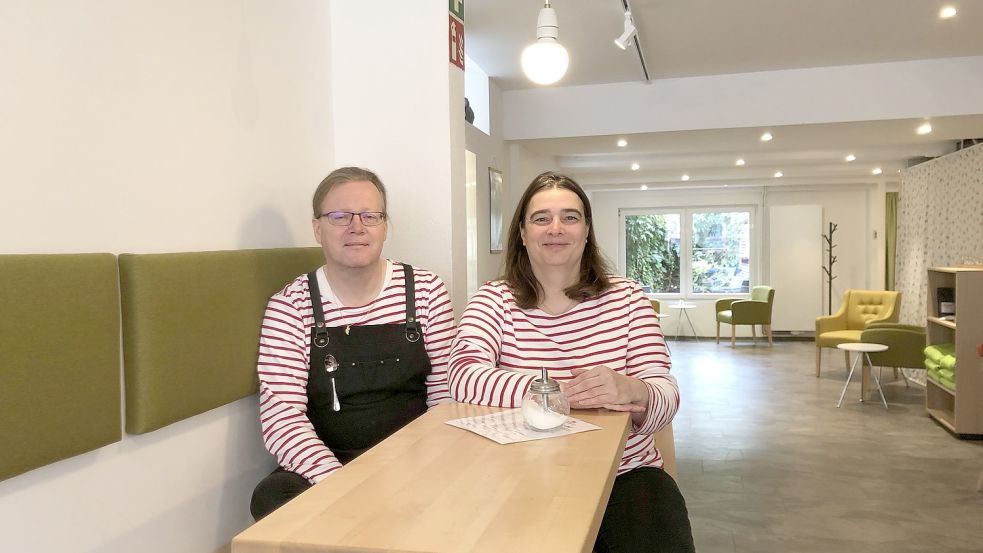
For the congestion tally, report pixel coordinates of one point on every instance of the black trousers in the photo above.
(645, 514)
(276, 489)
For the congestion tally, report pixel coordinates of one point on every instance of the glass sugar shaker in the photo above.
(544, 407)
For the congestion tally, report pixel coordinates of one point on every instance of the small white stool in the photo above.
(862, 349)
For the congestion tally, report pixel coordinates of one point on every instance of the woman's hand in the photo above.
(603, 387)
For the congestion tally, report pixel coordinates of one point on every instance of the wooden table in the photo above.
(432, 487)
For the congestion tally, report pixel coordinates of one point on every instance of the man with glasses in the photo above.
(351, 352)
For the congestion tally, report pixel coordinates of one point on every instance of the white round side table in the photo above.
(683, 308)
(863, 350)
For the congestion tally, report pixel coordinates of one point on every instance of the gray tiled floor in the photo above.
(768, 463)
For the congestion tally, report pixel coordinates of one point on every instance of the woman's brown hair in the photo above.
(518, 270)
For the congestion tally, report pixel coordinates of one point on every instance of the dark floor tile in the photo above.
(768, 463)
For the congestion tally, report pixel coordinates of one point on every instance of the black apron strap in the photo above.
(319, 334)
(412, 326)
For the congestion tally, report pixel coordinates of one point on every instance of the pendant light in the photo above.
(545, 61)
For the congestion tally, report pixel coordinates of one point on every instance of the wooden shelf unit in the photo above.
(959, 411)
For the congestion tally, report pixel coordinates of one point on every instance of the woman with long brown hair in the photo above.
(559, 306)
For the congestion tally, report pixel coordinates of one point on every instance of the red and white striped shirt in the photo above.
(500, 349)
(284, 357)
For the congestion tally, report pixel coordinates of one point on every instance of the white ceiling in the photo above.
(683, 38)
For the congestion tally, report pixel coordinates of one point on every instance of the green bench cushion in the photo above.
(59, 358)
(191, 327)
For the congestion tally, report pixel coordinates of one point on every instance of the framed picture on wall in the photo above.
(495, 197)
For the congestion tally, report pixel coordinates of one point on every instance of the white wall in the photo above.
(525, 165)
(399, 110)
(794, 250)
(491, 152)
(845, 205)
(857, 251)
(899, 90)
(477, 89)
(148, 126)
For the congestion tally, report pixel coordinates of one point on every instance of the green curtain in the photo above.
(890, 237)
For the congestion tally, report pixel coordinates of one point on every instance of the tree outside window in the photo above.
(711, 248)
(652, 247)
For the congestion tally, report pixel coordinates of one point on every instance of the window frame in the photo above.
(686, 247)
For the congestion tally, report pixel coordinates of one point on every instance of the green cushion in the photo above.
(725, 316)
(834, 338)
(59, 357)
(191, 327)
(936, 352)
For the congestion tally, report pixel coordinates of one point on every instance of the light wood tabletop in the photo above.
(435, 488)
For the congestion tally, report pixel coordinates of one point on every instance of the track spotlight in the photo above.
(624, 40)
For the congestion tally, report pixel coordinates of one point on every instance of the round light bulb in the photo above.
(925, 128)
(545, 61)
(622, 142)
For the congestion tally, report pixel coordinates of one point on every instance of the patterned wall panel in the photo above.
(940, 223)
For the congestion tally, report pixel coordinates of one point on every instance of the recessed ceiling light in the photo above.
(925, 128)
(850, 157)
(726, 185)
(779, 174)
(643, 187)
(766, 137)
(947, 12)
(635, 166)
(875, 171)
(622, 142)
(739, 162)
(685, 177)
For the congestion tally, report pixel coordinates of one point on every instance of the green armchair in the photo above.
(858, 309)
(755, 311)
(905, 345)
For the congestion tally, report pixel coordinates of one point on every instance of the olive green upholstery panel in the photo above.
(59, 358)
(191, 327)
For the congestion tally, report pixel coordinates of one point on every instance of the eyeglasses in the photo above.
(344, 218)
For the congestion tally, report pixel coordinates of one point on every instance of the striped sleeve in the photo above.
(648, 360)
(438, 332)
(473, 372)
(282, 369)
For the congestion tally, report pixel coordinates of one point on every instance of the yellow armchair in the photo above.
(858, 309)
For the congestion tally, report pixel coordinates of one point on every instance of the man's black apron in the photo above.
(380, 380)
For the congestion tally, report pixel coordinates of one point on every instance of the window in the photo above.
(720, 260)
(689, 251)
(652, 246)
